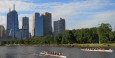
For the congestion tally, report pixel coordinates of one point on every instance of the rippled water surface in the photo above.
(33, 52)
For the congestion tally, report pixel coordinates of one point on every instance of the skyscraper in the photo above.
(22, 34)
(12, 23)
(37, 25)
(59, 26)
(25, 27)
(47, 18)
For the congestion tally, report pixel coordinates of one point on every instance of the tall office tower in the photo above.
(22, 34)
(37, 25)
(59, 26)
(47, 17)
(2, 31)
(12, 23)
(25, 27)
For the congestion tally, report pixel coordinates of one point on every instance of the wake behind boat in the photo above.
(53, 54)
(97, 49)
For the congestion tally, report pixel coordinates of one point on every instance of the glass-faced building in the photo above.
(12, 23)
(22, 34)
(37, 25)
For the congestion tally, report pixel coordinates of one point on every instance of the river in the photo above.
(33, 52)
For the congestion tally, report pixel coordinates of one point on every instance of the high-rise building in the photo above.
(25, 27)
(2, 31)
(21, 34)
(59, 26)
(47, 18)
(12, 23)
(37, 25)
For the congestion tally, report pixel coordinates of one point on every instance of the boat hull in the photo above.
(59, 56)
(98, 50)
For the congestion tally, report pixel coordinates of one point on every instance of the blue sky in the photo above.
(47, 1)
(77, 13)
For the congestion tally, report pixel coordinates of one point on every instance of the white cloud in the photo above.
(20, 6)
(65, 10)
(73, 9)
(103, 17)
(3, 21)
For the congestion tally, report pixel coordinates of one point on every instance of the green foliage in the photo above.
(101, 34)
(86, 35)
(68, 37)
(58, 39)
(104, 32)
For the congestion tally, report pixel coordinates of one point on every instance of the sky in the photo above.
(77, 13)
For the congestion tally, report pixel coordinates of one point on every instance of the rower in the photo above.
(59, 53)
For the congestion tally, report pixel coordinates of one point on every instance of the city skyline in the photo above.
(77, 13)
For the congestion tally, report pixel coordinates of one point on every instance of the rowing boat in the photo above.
(98, 50)
(52, 55)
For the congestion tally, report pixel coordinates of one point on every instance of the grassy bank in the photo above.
(95, 45)
(66, 45)
(81, 45)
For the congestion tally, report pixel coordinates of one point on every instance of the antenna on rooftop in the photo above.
(14, 7)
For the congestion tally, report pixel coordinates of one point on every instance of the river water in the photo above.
(33, 52)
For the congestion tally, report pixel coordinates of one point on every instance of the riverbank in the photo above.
(82, 45)
(66, 45)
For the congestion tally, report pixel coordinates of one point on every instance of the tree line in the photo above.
(100, 34)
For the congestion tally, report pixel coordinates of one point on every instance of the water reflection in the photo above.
(9, 55)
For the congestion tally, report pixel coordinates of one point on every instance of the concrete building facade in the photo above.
(59, 26)
(25, 26)
(47, 19)
(2, 31)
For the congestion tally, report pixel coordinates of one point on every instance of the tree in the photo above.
(93, 35)
(58, 39)
(48, 39)
(103, 32)
(68, 37)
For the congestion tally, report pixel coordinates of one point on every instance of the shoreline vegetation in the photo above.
(101, 36)
(112, 45)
